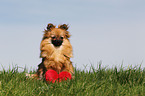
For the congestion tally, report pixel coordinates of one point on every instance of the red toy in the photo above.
(53, 76)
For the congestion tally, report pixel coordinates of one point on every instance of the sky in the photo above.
(110, 32)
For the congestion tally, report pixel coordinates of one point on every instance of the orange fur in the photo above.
(56, 57)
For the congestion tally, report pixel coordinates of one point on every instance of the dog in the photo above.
(56, 51)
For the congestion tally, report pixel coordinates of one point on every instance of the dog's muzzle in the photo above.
(57, 43)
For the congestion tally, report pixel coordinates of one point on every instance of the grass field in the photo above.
(96, 82)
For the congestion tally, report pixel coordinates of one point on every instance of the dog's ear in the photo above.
(63, 26)
(50, 26)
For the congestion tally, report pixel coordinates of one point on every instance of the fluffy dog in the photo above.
(56, 51)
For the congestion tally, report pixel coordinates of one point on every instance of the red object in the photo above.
(53, 76)
(64, 75)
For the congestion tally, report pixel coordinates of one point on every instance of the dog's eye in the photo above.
(61, 37)
(53, 37)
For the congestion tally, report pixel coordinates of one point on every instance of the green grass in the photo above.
(96, 82)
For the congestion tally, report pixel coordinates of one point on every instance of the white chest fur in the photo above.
(57, 54)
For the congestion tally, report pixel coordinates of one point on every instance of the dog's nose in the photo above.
(57, 42)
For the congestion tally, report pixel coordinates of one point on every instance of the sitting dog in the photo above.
(56, 51)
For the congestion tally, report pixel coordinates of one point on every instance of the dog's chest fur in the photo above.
(57, 54)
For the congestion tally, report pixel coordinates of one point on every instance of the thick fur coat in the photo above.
(56, 50)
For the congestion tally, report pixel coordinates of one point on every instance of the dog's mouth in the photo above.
(57, 41)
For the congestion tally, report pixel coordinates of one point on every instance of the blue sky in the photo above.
(111, 31)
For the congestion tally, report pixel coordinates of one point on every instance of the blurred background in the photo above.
(110, 32)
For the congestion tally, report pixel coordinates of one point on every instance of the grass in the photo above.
(96, 82)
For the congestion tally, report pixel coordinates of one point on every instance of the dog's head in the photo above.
(57, 35)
